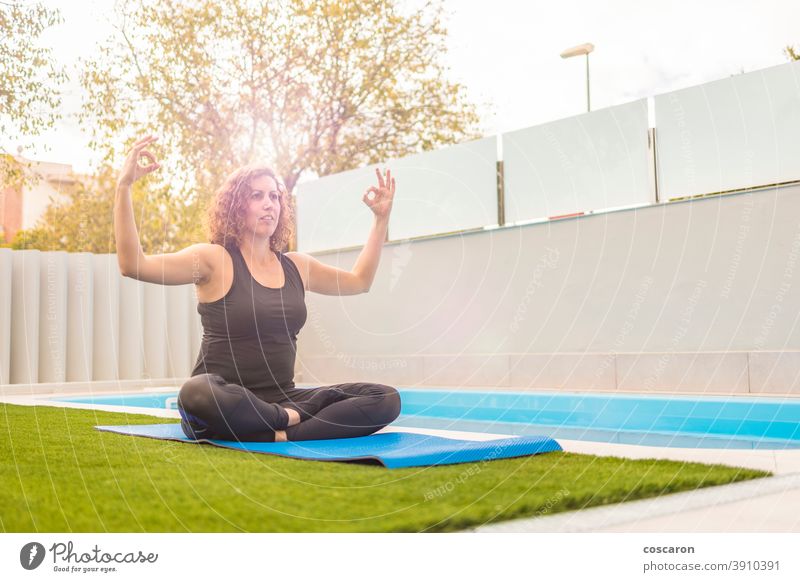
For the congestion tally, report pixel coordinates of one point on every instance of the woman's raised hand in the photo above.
(381, 203)
(132, 170)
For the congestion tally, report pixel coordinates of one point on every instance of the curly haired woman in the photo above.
(251, 299)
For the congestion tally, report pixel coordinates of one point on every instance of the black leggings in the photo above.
(210, 408)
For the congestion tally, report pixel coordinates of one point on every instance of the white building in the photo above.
(21, 205)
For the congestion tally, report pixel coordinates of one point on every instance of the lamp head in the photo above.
(576, 51)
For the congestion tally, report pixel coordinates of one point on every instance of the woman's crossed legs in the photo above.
(362, 409)
(213, 409)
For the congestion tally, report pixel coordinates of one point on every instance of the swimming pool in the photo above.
(664, 421)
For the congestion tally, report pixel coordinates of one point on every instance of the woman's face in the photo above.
(264, 206)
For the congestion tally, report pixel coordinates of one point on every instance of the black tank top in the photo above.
(250, 335)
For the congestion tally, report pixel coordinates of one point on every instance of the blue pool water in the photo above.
(672, 421)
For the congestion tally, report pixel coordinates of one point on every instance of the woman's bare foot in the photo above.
(294, 416)
(280, 436)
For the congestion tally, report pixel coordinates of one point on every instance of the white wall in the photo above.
(105, 318)
(80, 317)
(132, 316)
(712, 275)
(24, 321)
(54, 283)
(73, 318)
(5, 314)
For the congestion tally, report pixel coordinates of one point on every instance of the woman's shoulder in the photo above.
(300, 261)
(211, 246)
(221, 267)
(214, 249)
(215, 254)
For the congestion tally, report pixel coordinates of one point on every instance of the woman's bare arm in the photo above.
(190, 265)
(129, 249)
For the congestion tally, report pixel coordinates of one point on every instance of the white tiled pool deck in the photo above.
(761, 505)
(770, 504)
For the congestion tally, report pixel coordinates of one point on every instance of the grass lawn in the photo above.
(59, 474)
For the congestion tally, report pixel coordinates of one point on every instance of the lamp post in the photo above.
(576, 51)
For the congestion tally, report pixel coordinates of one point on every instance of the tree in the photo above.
(29, 78)
(85, 221)
(316, 86)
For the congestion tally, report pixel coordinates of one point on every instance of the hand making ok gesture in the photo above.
(132, 170)
(381, 203)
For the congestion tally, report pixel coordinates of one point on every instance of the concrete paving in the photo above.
(779, 462)
(761, 505)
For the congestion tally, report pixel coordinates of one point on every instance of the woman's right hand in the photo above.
(132, 170)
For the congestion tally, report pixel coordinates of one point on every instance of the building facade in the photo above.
(22, 204)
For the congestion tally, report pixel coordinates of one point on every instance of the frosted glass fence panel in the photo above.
(330, 213)
(730, 134)
(589, 162)
(447, 190)
(450, 189)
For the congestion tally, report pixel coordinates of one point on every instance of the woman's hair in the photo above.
(225, 218)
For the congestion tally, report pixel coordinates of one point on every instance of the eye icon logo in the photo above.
(31, 555)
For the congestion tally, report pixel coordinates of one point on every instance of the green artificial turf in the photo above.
(59, 474)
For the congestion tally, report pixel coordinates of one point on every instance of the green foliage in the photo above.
(303, 86)
(29, 82)
(61, 475)
(792, 53)
(85, 222)
(319, 86)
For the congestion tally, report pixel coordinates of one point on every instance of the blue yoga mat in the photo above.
(393, 449)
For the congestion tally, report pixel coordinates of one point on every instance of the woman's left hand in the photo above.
(381, 203)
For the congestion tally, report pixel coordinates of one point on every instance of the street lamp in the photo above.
(576, 51)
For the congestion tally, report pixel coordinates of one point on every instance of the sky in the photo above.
(506, 54)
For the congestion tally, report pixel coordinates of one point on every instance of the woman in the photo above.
(251, 303)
